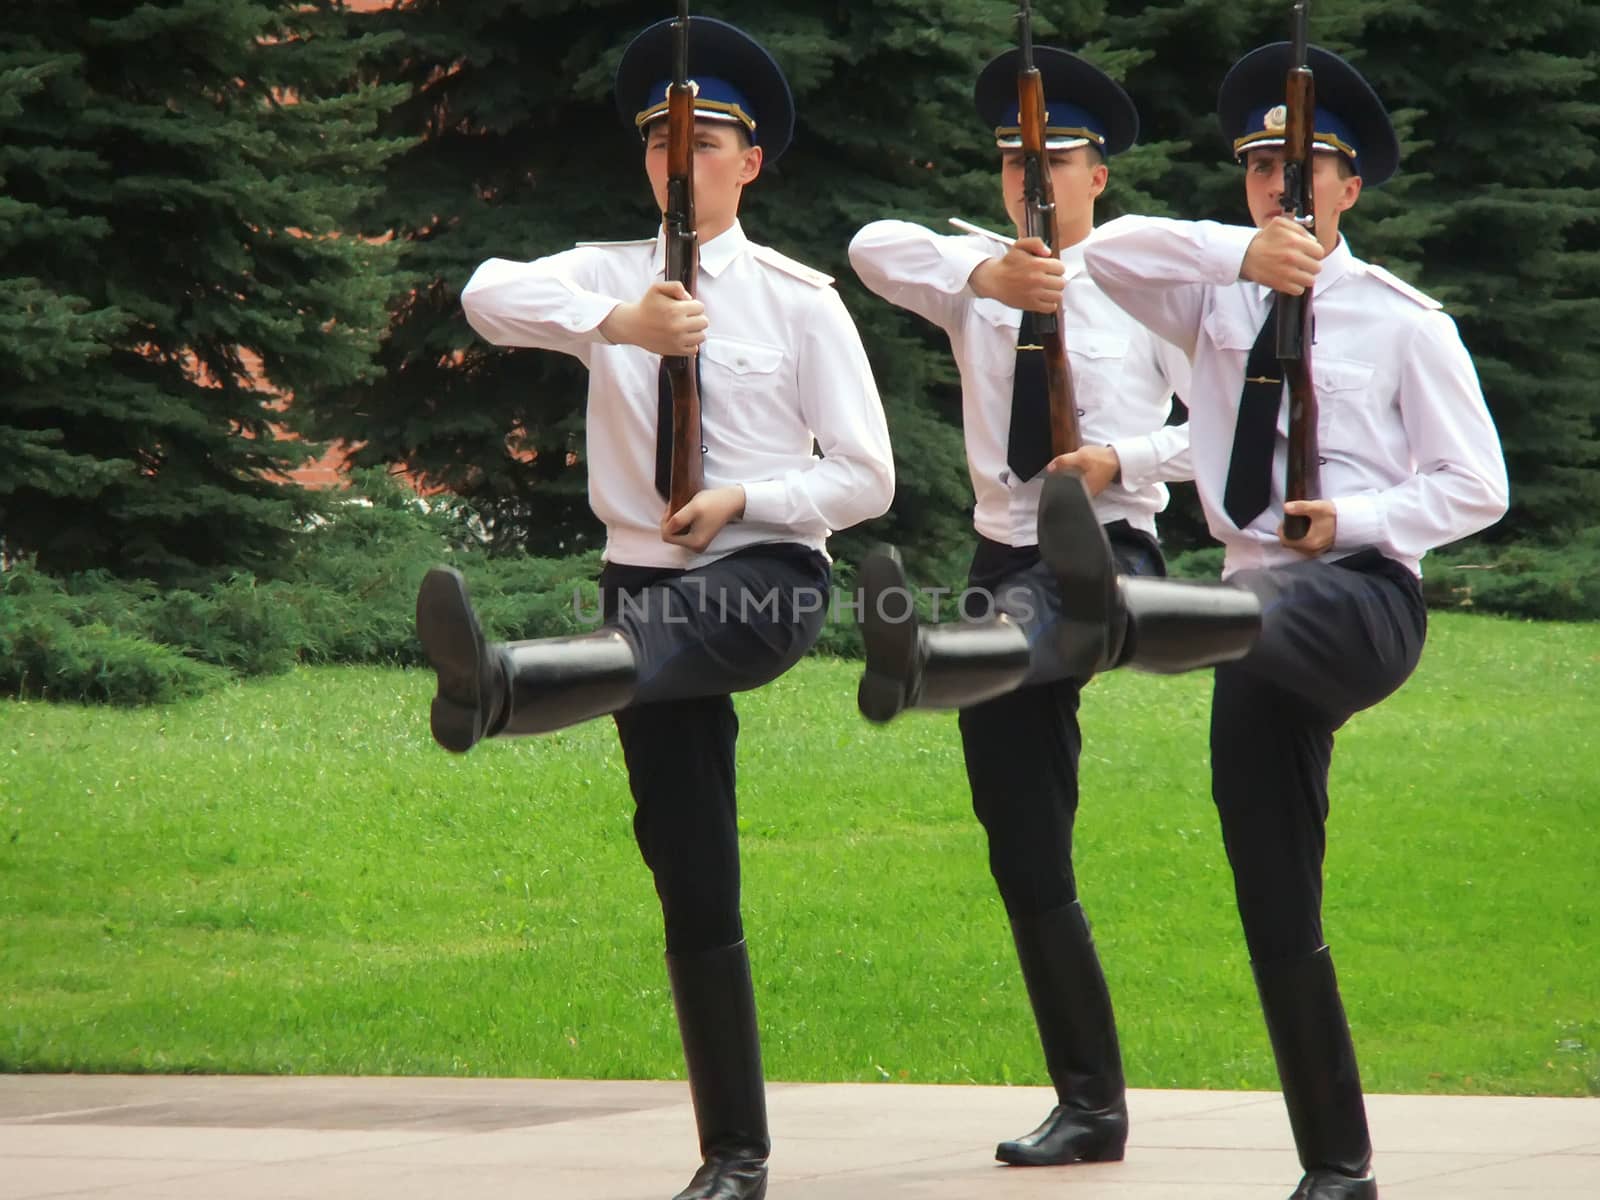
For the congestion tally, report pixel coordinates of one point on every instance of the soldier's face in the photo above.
(1332, 191)
(723, 163)
(1078, 177)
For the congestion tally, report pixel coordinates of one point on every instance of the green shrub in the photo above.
(1553, 583)
(1558, 583)
(841, 635)
(51, 648)
(249, 628)
(354, 578)
(1203, 564)
(346, 594)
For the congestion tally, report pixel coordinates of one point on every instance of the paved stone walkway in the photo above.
(228, 1138)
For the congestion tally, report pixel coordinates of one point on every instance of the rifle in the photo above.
(682, 265)
(1039, 204)
(1295, 322)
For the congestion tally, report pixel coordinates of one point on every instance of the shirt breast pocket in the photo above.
(992, 336)
(1097, 358)
(743, 385)
(1346, 407)
(746, 367)
(1230, 329)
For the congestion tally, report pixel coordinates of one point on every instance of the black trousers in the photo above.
(1336, 638)
(1022, 748)
(700, 635)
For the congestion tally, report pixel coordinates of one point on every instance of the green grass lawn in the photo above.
(289, 877)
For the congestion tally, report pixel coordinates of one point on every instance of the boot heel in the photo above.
(453, 643)
(1111, 1150)
(891, 645)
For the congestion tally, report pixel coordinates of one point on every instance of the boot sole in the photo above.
(1021, 1158)
(1074, 546)
(891, 646)
(453, 644)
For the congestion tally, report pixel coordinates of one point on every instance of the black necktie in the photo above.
(1028, 446)
(664, 425)
(1249, 486)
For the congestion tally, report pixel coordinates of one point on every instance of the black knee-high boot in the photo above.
(504, 689)
(1321, 1084)
(1072, 1008)
(1111, 620)
(1107, 621)
(715, 1000)
(911, 665)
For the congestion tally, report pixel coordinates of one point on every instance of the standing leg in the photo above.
(1022, 753)
(1270, 755)
(1336, 638)
(680, 760)
(736, 624)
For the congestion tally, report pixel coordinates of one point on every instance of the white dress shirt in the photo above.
(782, 364)
(1409, 453)
(1124, 378)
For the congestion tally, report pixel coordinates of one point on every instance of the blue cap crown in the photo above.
(738, 81)
(1264, 127)
(714, 100)
(1083, 105)
(1066, 126)
(1349, 118)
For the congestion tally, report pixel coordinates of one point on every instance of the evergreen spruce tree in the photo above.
(174, 180)
(1501, 216)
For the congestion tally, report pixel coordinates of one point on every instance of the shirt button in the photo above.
(1080, 412)
(1321, 461)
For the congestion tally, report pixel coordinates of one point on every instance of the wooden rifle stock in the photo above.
(1039, 220)
(682, 266)
(1295, 323)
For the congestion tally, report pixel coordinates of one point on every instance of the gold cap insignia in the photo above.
(1277, 119)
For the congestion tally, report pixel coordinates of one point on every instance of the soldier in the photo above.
(721, 596)
(1017, 691)
(1409, 461)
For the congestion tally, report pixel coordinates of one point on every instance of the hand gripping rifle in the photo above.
(1295, 322)
(1039, 220)
(682, 265)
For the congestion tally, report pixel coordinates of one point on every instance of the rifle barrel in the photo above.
(683, 263)
(1303, 481)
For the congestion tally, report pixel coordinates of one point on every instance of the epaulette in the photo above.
(789, 266)
(988, 236)
(1401, 286)
(650, 241)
